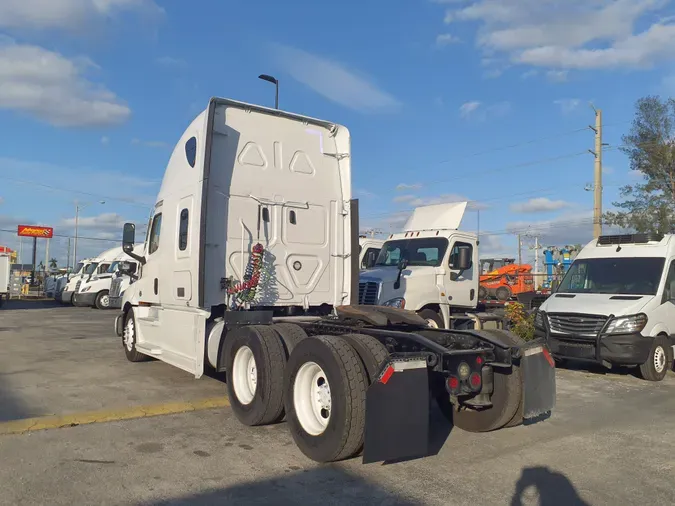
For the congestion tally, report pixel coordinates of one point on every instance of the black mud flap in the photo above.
(397, 412)
(538, 373)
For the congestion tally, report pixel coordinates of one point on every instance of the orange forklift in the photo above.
(503, 279)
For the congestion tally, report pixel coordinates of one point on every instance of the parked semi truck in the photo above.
(94, 290)
(85, 270)
(250, 266)
(616, 305)
(121, 280)
(4, 278)
(369, 249)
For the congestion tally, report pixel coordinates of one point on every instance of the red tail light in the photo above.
(475, 380)
(479, 360)
(453, 383)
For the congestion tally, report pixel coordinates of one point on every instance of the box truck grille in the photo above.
(578, 324)
(368, 293)
(115, 287)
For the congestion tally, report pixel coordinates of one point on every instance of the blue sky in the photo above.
(94, 93)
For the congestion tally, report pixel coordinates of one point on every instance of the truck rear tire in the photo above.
(325, 397)
(291, 334)
(371, 352)
(660, 360)
(254, 360)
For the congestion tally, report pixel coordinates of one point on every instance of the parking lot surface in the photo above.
(611, 439)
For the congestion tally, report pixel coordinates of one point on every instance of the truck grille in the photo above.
(368, 293)
(577, 324)
(115, 287)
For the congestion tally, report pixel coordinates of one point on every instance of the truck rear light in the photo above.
(475, 380)
(453, 383)
(479, 360)
(464, 370)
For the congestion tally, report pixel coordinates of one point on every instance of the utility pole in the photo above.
(520, 250)
(536, 254)
(597, 185)
(68, 258)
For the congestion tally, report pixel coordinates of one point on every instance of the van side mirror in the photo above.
(128, 237)
(463, 259)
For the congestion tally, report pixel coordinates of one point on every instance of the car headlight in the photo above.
(539, 320)
(398, 302)
(627, 324)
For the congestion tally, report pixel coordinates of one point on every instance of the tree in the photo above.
(649, 206)
(53, 264)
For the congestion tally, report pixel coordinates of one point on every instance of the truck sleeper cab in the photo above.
(249, 266)
(429, 268)
(616, 305)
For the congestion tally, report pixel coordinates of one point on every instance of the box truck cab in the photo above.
(429, 268)
(95, 288)
(616, 305)
(249, 265)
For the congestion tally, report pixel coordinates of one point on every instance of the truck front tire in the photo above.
(102, 300)
(325, 397)
(659, 361)
(433, 319)
(129, 336)
(254, 360)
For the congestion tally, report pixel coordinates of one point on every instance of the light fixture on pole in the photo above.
(275, 82)
(78, 207)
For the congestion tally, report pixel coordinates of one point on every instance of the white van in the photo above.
(616, 305)
(94, 289)
(419, 269)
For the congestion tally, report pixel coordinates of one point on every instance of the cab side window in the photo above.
(154, 233)
(183, 230)
(669, 288)
(454, 254)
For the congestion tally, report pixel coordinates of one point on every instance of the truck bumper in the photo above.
(84, 299)
(65, 297)
(115, 302)
(627, 349)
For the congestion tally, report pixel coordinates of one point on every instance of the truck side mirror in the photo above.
(402, 264)
(371, 258)
(128, 268)
(128, 237)
(463, 259)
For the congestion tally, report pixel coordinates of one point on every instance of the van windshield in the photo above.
(618, 276)
(426, 251)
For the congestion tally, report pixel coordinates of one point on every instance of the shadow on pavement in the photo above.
(600, 370)
(322, 486)
(11, 408)
(552, 488)
(16, 304)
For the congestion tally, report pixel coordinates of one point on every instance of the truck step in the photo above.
(149, 349)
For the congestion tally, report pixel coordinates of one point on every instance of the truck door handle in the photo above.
(156, 286)
(472, 293)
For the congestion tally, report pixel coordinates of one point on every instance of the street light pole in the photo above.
(275, 82)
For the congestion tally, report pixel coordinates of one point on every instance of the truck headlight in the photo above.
(539, 320)
(627, 324)
(398, 302)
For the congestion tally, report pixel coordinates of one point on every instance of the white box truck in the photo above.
(250, 264)
(4, 278)
(616, 305)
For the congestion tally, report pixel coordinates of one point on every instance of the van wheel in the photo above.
(102, 300)
(433, 318)
(659, 361)
(255, 359)
(325, 398)
(129, 339)
(503, 293)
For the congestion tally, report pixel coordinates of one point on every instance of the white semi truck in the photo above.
(250, 264)
(95, 289)
(121, 280)
(420, 269)
(616, 305)
(369, 249)
(4, 278)
(84, 271)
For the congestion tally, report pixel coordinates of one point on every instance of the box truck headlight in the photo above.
(398, 302)
(539, 320)
(627, 324)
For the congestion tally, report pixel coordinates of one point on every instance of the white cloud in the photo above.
(445, 39)
(106, 222)
(334, 81)
(568, 105)
(404, 198)
(529, 74)
(405, 186)
(557, 76)
(575, 34)
(447, 198)
(539, 205)
(150, 144)
(478, 111)
(468, 108)
(362, 193)
(53, 88)
(636, 174)
(69, 15)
